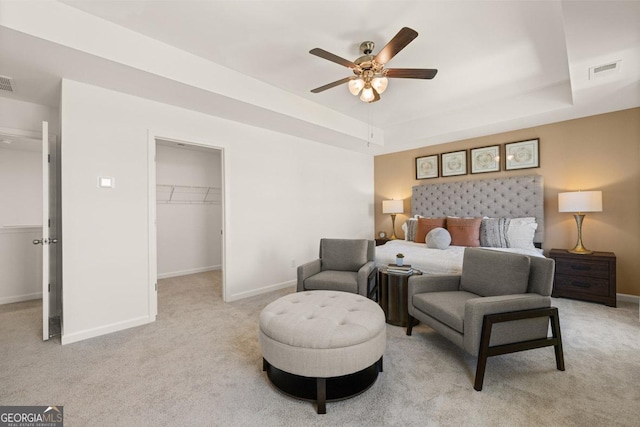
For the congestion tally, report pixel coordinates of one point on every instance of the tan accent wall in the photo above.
(594, 153)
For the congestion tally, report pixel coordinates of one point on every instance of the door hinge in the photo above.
(49, 223)
(49, 158)
(49, 287)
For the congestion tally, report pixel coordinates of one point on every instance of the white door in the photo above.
(51, 279)
(45, 231)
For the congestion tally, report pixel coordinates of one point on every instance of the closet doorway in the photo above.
(30, 255)
(188, 211)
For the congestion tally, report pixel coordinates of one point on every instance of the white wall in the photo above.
(282, 194)
(20, 264)
(28, 116)
(20, 187)
(189, 238)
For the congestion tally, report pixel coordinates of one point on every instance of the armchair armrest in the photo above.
(475, 309)
(432, 283)
(363, 277)
(307, 270)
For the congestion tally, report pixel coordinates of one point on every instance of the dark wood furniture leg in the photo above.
(321, 390)
(410, 322)
(555, 330)
(372, 286)
(485, 351)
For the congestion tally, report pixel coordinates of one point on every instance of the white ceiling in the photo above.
(502, 65)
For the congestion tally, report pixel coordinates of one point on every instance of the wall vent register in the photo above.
(5, 83)
(605, 70)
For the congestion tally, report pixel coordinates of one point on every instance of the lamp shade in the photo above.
(355, 86)
(392, 206)
(580, 201)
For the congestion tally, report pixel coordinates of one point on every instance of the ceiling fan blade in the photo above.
(330, 85)
(331, 57)
(397, 43)
(411, 73)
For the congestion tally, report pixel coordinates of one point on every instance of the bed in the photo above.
(511, 197)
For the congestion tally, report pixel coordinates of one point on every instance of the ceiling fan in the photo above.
(370, 77)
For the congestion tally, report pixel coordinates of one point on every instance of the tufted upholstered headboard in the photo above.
(511, 197)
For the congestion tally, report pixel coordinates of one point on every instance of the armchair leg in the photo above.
(485, 351)
(410, 322)
(555, 330)
(483, 354)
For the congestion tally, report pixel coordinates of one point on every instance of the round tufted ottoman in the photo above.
(322, 345)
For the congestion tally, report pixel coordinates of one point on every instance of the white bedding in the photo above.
(432, 261)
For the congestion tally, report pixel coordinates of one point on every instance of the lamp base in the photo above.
(579, 248)
(393, 227)
(580, 251)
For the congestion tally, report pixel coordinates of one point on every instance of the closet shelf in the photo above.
(187, 194)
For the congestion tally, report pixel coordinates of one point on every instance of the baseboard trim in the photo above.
(628, 298)
(190, 271)
(266, 289)
(20, 298)
(107, 329)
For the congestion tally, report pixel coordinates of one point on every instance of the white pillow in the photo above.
(521, 231)
(438, 238)
(404, 230)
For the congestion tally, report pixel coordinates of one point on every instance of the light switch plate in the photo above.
(106, 182)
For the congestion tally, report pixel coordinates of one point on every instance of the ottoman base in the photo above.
(322, 390)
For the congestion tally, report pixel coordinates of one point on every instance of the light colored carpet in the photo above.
(200, 364)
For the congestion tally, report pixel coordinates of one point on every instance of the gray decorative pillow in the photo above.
(493, 232)
(438, 238)
(411, 225)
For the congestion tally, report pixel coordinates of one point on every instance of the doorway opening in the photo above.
(188, 213)
(30, 265)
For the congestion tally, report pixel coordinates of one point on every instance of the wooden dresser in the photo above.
(585, 277)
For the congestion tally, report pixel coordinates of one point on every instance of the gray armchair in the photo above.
(344, 265)
(499, 304)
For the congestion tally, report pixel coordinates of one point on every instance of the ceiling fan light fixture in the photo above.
(370, 75)
(380, 83)
(367, 94)
(355, 86)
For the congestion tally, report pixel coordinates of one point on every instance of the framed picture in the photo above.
(485, 159)
(427, 167)
(522, 154)
(454, 163)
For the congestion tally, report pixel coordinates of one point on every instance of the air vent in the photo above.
(605, 70)
(5, 83)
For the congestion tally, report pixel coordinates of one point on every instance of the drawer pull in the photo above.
(581, 284)
(580, 267)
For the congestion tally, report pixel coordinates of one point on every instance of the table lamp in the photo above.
(580, 202)
(392, 207)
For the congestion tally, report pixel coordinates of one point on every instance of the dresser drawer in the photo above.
(599, 269)
(583, 285)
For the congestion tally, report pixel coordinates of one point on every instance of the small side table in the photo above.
(393, 296)
(381, 241)
(585, 277)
